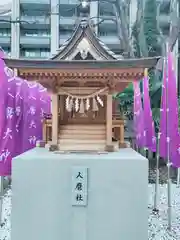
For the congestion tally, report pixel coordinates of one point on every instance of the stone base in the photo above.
(53, 147)
(112, 148)
(124, 145)
(117, 197)
(41, 143)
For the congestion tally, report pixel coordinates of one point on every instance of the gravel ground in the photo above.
(163, 175)
(157, 223)
(5, 233)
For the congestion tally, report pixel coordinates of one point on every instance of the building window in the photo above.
(66, 30)
(28, 53)
(35, 53)
(45, 53)
(107, 30)
(5, 32)
(36, 12)
(68, 10)
(166, 29)
(165, 7)
(7, 51)
(68, 2)
(35, 33)
(106, 33)
(106, 9)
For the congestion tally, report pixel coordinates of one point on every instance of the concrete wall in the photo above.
(117, 196)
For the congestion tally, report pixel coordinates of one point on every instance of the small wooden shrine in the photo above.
(82, 78)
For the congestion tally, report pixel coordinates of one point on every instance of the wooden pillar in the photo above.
(44, 131)
(61, 106)
(121, 134)
(55, 129)
(109, 120)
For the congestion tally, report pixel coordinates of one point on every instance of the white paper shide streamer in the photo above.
(100, 101)
(77, 105)
(82, 103)
(87, 104)
(67, 104)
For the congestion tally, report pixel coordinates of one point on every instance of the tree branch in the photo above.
(174, 25)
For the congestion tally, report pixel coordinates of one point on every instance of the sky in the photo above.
(2, 2)
(5, 5)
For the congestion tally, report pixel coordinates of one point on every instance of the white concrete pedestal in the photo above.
(117, 186)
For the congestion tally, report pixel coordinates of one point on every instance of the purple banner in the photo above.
(163, 123)
(21, 111)
(5, 150)
(169, 133)
(173, 129)
(138, 117)
(149, 130)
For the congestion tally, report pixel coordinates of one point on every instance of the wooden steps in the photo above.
(82, 137)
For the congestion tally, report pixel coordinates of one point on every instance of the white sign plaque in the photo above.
(79, 186)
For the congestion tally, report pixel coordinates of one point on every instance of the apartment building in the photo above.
(36, 28)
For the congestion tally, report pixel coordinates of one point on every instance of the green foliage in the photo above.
(151, 35)
(150, 27)
(126, 101)
(127, 93)
(156, 118)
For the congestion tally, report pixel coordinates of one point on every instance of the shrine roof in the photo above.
(84, 31)
(85, 45)
(81, 64)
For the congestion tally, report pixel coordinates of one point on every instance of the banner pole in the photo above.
(178, 177)
(156, 192)
(1, 196)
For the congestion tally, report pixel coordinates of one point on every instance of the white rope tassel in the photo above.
(77, 105)
(100, 101)
(87, 104)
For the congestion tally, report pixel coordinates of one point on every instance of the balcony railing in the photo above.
(35, 40)
(46, 20)
(109, 39)
(5, 41)
(35, 1)
(36, 19)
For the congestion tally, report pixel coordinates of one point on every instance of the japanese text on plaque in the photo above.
(79, 186)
